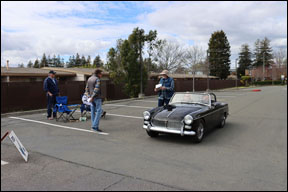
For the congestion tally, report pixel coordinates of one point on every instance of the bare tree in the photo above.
(280, 56)
(195, 56)
(169, 55)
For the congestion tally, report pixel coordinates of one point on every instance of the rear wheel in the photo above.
(199, 132)
(223, 121)
(152, 133)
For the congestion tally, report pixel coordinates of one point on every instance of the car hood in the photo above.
(177, 114)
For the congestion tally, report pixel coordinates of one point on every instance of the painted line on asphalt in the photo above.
(130, 106)
(147, 101)
(4, 163)
(117, 115)
(134, 117)
(60, 126)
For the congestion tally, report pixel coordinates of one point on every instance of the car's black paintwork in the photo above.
(211, 115)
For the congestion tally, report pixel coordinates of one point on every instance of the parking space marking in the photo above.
(147, 101)
(60, 126)
(124, 116)
(4, 163)
(128, 106)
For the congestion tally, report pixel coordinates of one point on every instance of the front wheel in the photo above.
(199, 132)
(152, 133)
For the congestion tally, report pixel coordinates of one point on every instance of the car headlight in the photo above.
(188, 119)
(146, 115)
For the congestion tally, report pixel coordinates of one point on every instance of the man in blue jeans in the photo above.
(52, 90)
(166, 91)
(93, 91)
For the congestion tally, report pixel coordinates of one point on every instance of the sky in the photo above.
(29, 29)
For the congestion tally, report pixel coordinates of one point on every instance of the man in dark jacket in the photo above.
(52, 90)
(166, 89)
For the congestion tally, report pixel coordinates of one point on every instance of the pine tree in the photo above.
(263, 51)
(97, 62)
(83, 61)
(245, 60)
(30, 64)
(44, 62)
(219, 55)
(36, 64)
(88, 62)
(77, 60)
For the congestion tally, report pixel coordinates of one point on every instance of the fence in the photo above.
(17, 96)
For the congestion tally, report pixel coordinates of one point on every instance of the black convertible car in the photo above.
(187, 114)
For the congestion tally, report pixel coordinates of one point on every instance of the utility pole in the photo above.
(263, 73)
(236, 73)
(208, 71)
(193, 72)
(141, 71)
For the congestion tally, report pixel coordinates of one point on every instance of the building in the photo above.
(16, 74)
(82, 74)
(272, 72)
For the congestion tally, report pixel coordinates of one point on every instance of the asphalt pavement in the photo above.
(249, 153)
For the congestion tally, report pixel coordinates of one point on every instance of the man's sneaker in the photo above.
(98, 130)
(103, 114)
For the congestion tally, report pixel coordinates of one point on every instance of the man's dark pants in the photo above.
(161, 102)
(51, 101)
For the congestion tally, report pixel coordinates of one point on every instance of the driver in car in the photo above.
(205, 99)
(187, 98)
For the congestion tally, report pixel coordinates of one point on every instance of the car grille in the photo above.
(174, 125)
(158, 123)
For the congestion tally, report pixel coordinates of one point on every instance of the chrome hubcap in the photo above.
(223, 121)
(200, 131)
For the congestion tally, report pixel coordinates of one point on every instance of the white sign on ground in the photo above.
(4, 162)
(18, 145)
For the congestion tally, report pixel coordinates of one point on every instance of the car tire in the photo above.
(223, 121)
(200, 130)
(152, 133)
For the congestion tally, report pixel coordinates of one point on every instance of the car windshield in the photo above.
(190, 98)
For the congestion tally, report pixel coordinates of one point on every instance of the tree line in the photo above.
(262, 54)
(74, 61)
(131, 60)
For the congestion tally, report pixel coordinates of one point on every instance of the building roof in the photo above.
(31, 72)
(84, 71)
(183, 76)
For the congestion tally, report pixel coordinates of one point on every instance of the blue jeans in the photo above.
(96, 111)
(161, 102)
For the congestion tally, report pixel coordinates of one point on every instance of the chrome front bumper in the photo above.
(165, 130)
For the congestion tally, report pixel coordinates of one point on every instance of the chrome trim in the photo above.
(164, 130)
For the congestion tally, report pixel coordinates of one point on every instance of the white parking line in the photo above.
(61, 126)
(147, 101)
(128, 106)
(124, 116)
(4, 162)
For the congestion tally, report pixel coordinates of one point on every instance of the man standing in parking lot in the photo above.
(52, 90)
(166, 90)
(93, 91)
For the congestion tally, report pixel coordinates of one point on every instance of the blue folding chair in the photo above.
(62, 108)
